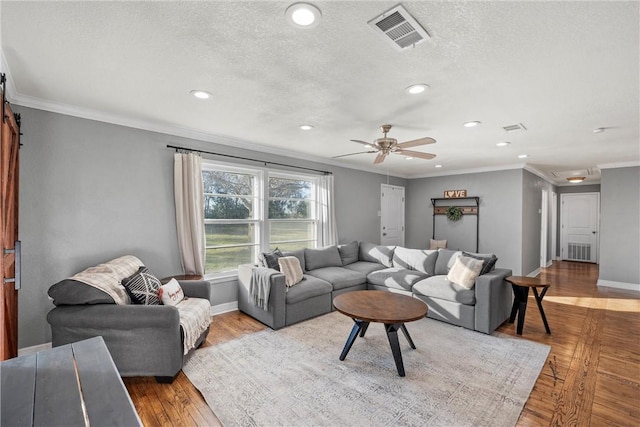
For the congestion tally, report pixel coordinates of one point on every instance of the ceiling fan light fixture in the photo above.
(523, 156)
(416, 89)
(503, 143)
(303, 15)
(471, 124)
(438, 166)
(576, 179)
(408, 158)
(201, 94)
(598, 130)
(306, 127)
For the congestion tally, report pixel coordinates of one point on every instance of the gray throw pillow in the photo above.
(446, 259)
(322, 257)
(73, 292)
(349, 252)
(488, 261)
(270, 259)
(375, 253)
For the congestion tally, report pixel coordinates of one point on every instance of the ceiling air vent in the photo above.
(399, 28)
(513, 128)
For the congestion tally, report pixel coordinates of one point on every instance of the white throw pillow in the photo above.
(437, 244)
(290, 267)
(171, 293)
(465, 271)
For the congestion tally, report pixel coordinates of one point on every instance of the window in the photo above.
(248, 211)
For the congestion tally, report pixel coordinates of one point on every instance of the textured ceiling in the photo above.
(560, 68)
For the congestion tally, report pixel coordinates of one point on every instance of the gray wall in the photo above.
(620, 225)
(500, 220)
(92, 191)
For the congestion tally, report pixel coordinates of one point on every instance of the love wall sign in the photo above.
(455, 194)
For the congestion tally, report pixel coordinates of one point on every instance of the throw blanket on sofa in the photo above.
(107, 277)
(195, 318)
(260, 286)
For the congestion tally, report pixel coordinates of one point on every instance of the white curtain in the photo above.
(189, 200)
(328, 211)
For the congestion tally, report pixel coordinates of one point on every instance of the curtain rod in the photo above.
(247, 158)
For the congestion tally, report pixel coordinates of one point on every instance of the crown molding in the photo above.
(467, 171)
(539, 173)
(10, 87)
(617, 165)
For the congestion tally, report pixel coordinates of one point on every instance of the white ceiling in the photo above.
(560, 68)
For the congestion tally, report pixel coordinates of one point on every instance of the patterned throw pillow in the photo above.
(270, 259)
(143, 287)
(464, 272)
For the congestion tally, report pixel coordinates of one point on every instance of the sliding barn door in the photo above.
(10, 256)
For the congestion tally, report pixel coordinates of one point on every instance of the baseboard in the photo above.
(549, 263)
(34, 349)
(534, 273)
(619, 285)
(224, 308)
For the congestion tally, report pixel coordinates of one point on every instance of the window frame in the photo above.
(261, 221)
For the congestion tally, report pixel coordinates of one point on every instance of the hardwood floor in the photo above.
(591, 377)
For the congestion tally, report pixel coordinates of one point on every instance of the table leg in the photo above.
(407, 336)
(516, 303)
(358, 325)
(539, 302)
(392, 335)
(363, 330)
(522, 308)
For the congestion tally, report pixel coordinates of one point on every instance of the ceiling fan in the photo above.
(385, 145)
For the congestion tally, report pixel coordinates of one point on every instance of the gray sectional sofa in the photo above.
(422, 274)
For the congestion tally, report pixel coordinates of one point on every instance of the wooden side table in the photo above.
(521, 286)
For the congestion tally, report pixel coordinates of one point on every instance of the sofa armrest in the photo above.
(196, 288)
(494, 298)
(275, 316)
(142, 340)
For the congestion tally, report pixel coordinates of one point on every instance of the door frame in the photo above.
(544, 228)
(554, 225)
(562, 220)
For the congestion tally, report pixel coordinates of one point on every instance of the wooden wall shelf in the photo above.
(466, 210)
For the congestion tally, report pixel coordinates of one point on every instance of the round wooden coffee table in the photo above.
(392, 309)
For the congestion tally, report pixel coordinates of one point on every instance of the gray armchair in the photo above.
(144, 340)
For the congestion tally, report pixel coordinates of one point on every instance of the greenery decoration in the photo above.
(454, 213)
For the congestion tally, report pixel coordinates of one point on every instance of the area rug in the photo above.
(293, 377)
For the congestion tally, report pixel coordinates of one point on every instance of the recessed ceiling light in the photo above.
(598, 130)
(416, 89)
(503, 144)
(306, 127)
(523, 156)
(201, 94)
(409, 158)
(471, 124)
(438, 166)
(303, 15)
(575, 179)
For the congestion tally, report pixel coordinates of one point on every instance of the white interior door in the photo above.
(391, 215)
(580, 226)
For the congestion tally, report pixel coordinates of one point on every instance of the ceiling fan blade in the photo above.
(353, 154)
(361, 142)
(379, 158)
(416, 142)
(418, 154)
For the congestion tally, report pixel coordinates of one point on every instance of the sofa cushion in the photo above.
(290, 267)
(309, 287)
(298, 254)
(465, 271)
(349, 252)
(143, 287)
(395, 278)
(415, 259)
(488, 261)
(322, 257)
(446, 259)
(339, 277)
(365, 267)
(374, 253)
(440, 287)
(73, 292)
(270, 259)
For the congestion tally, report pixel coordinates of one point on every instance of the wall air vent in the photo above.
(399, 28)
(513, 128)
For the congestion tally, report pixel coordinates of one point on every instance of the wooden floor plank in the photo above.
(591, 376)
